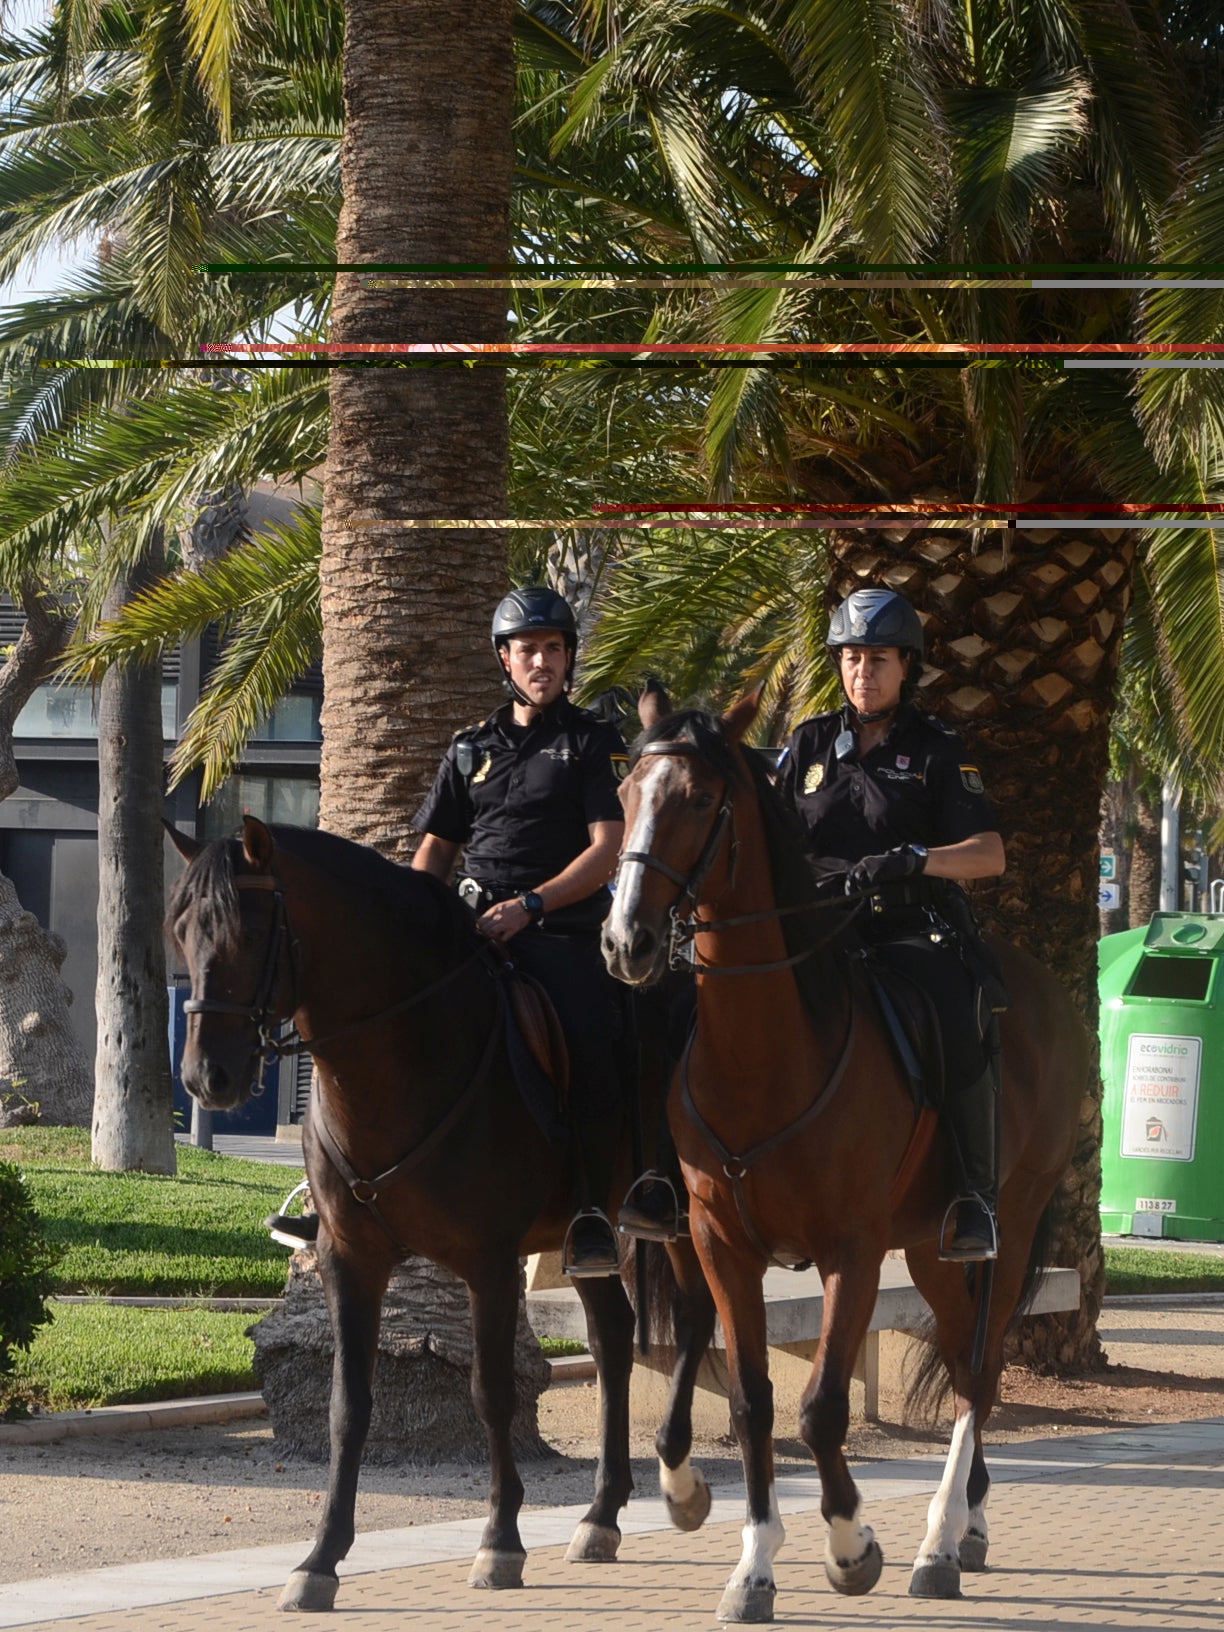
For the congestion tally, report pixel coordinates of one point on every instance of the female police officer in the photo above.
(531, 795)
(892, 800)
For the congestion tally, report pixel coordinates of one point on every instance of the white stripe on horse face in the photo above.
(761, 1544)
(626, 898)
(948, 1513)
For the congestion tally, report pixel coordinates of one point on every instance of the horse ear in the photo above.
(740, 715)
(257, 844)
(654, 704)
(187, 848)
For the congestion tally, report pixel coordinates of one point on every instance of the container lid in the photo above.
(1185, 932)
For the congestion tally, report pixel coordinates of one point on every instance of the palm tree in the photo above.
(807, 132)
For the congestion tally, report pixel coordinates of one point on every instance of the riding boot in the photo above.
(590, 1241)
(655, 1207)
(293, 1229)
(971, 1118)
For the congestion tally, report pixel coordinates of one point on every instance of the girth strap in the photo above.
(736, 1168)
(366, 1191)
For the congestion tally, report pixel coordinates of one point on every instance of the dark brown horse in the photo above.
(796, 1135)
(417, 1141)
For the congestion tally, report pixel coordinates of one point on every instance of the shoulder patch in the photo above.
(620, 766)
(467, 730)
(971, 778)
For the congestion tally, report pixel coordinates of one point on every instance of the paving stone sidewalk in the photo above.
(1124, 1530)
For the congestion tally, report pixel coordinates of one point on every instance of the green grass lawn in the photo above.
(101, 1354)
(1129, 1270)
(199, 1233)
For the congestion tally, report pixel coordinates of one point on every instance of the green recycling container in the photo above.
(1162, 1065)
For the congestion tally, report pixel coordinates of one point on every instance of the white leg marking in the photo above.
(848, 1539)
(948, 1513)
(761, 1543)
(678, 1484)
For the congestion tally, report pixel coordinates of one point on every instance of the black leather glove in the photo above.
(905, 862)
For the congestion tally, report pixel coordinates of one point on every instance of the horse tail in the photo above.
(651, 1284)
(931, 1383)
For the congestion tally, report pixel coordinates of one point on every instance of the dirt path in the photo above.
(80, 1504)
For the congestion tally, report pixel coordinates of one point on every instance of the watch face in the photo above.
(532, 902)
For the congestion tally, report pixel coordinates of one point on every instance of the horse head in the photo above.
(227, 918)
(679, 834)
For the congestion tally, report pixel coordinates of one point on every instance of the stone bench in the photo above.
(794, 1311)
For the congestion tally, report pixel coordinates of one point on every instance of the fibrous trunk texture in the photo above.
(134, 1096)
(423, 1409)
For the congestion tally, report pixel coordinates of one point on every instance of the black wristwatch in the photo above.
(531, 901)
(920, 852)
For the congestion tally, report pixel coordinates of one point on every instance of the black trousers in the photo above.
(572, 971)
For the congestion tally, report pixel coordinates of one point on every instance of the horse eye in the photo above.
(703, 801)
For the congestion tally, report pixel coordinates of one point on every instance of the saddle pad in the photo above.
(913, 1029)
(539, 1056)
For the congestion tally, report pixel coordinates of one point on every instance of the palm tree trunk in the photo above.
(1023, 645)
(1144, 890)
(427, 163)
(133, 1127)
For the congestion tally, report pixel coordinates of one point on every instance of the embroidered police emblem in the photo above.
(620, 766)
(971, 778)
(903, 762)
(813, 779)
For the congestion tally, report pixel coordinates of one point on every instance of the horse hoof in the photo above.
(753, 1601)
(855, 1577)
(594, 1544)
(690, 1514)
(496, 1570)
(936, 1578)
(308, 1592)
(973, 1545)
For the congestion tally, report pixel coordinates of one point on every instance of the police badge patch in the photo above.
(971, 778)
(620, 766)
(813, 779)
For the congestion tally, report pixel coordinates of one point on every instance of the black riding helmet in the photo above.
(527, 611)
(879, 617)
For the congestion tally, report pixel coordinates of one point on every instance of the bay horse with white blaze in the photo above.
(800, 1141)
(417, 1141)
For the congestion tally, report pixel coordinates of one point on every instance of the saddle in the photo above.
(912, 1025)
(531, 1010)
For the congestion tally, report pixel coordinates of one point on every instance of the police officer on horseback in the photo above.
(894, 805)
(530, 795)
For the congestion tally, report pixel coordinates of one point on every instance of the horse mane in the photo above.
(416, 899)
(794, 882)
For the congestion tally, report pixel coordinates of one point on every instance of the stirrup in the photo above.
(580, 1271)
(947, 1250)
(279, 1225)
(639, 1224)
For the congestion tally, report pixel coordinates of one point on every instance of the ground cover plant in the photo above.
(1131, 1270)
(195, 1234)
(96, 1354)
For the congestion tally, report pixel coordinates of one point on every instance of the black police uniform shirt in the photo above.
(521, 800)
(920, 785)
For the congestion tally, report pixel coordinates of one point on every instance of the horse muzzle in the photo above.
(637, 956)
(214, 1084)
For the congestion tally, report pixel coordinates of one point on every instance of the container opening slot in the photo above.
(1178, 978)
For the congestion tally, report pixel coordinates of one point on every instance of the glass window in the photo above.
(293, 800)
(71, 711)
(294, 719)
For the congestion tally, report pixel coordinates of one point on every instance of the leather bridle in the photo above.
(258, 1011)
(684, 929)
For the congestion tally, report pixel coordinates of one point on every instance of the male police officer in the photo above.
(892, 799)
(531, 795)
